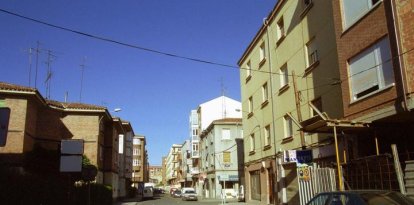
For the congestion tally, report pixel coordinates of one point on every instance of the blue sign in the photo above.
(304, 156)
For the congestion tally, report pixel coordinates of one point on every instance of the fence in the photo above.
(316, 180)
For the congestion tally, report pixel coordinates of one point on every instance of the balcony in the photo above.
(195, 154)
(195, 170)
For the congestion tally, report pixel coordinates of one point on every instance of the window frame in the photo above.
(380, 65)
(287, 126)
(265, 93)
(371, 5)
(267, 135)
(284, 76)
(280, 30)
(252, 143)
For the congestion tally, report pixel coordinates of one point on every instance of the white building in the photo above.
(173, 172)
(215, 109)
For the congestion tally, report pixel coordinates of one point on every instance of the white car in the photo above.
(148, 193)
(189, 195)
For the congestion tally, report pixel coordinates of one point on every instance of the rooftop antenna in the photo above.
(223, 99)
(37, 50)
(49, 73)
(30, 66)
(81, 85)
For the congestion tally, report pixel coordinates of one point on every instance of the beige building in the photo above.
(139, 160)
(173, 166)
(290, 64)
(155, 174)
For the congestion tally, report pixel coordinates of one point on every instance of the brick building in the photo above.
(36, 122)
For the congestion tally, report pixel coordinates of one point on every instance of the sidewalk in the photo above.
(228, 201)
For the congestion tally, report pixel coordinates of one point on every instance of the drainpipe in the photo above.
(275, 190)
(398, 40)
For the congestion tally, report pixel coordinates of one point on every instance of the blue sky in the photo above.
(155, 92)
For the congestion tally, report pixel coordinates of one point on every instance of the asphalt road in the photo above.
(168, 200)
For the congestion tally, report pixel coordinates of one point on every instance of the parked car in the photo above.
(176, 194)
(361, 197)
(189, 195)
(148, 193)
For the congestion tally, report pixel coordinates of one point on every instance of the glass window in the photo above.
(288, 126)
(284, 76)
(318, 104)
(225, 134)
(252, 144)
(262, 52)
(371, 70)
(267, 135)
(321, 199)
(355, 9)
(265, 92)
(226, 157)
(280, 32)
(248, 69)
(250, 104)
(312, 52)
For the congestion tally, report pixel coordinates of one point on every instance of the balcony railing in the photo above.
(195, 154)
(195, 170)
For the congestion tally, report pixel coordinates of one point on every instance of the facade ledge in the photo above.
(248, 78)
(306, 10)
(249, 115)
(262, 62)
(283, 89)
(287, 139)
(310, 68)
(371, 94)
(280, 40)
(264, 104)
(267, 147)
(252, 152)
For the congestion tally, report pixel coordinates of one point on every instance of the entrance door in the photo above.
(255, 185)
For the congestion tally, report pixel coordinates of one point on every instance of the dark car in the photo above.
(361, 197)
(189, 195)
(176, 193)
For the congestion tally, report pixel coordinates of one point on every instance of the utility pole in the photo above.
(297, 101)
(81, 83)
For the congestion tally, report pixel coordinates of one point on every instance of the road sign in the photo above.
(71, 163)
(4, 125)
(304, 156)
(304, 173)
(71, 146)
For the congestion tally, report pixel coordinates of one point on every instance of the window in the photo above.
(135, 151)
(371, 70)
(252, 145)
(354, 10)
(267, 135)
(262, 52)
(265, 92)
(250, 104)
(195, 131)
(225, 134)
(135, 162)
(280, 32)
(226, 157)
(312, 52)
(136, 141)
(287, 121)
(248, 69)
(284, 76)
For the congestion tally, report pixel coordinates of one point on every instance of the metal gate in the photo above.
(314, 181)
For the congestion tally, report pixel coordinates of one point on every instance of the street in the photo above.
(168, 200)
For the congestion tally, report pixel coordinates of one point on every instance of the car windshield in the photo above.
(190, 192)
(386, 198)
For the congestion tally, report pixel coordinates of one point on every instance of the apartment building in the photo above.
(173, 166)
(186, 164)
(290, 66)
(38, 123)
(155, 174)
(218, 108)
(139, 155)
(164, 171)
(221, 151)
(376, 64)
